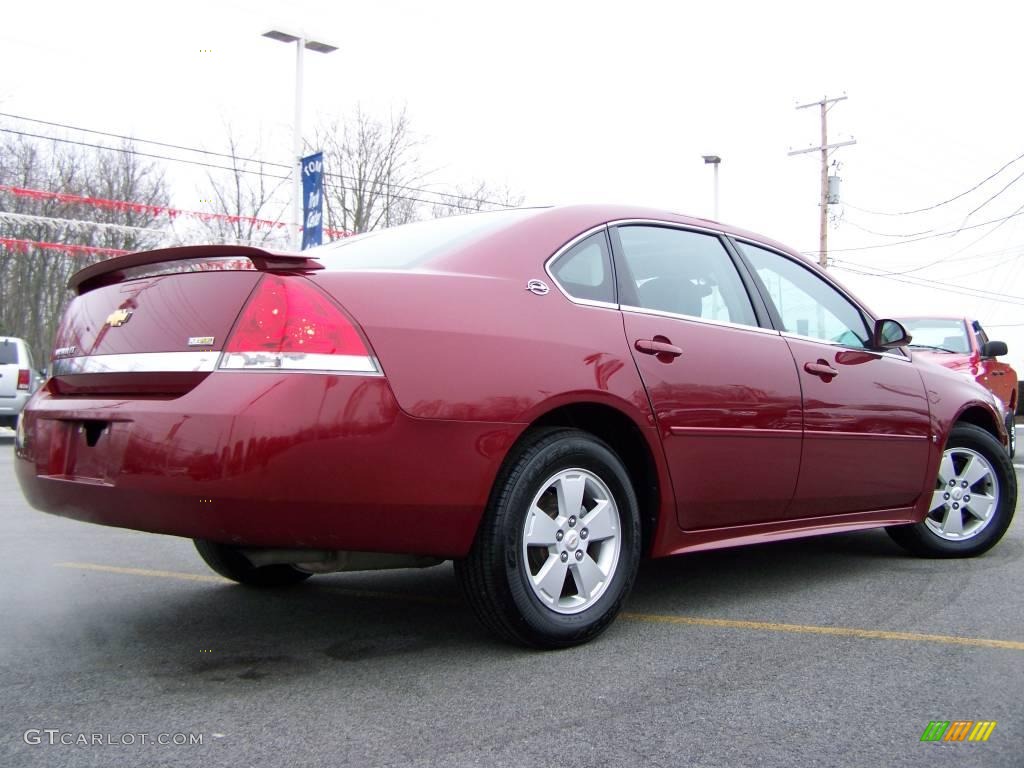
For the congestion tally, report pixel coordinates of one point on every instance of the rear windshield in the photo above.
(8, 353)
(413, 245)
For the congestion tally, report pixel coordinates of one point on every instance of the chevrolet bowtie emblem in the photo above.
(119, 318)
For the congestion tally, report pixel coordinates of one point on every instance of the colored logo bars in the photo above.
(958, 730)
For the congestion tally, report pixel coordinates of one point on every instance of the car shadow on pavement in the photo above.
(225, 633)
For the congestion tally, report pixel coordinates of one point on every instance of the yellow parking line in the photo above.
(809, 629)
(180, 576)
(144, 572)
(654, 618)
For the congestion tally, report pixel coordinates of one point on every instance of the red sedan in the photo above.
(961, 344)
(543, 396)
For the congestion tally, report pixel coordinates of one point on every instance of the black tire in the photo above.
(1019, 405)
(921, 540)
(495, 577)
(232, 564)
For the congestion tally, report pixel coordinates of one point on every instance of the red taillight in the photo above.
(290, 324)
(23, 378)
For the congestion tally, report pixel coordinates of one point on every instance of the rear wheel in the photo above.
(232, 564)
(559, 546)
(972, 502)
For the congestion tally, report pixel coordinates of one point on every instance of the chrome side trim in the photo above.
(292, 362)
(837, 345)
(670, 224)
(744, 432)
(209, 361)
(836, 435)
(138, 362)
(563, 249)
(701, 320)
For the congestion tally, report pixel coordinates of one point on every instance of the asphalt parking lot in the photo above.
(831, 651)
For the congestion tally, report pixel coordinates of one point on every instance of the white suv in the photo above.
(18, 379)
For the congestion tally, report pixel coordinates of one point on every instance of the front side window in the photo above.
(807, 305)
(681, 272)
(585, 270)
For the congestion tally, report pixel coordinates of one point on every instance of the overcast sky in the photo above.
(603, 102)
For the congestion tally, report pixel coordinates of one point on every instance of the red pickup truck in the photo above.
(960, 343)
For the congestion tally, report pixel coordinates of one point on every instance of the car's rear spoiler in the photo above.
(116, 269)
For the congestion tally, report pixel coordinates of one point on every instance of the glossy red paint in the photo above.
(266, 459)
(745, 444)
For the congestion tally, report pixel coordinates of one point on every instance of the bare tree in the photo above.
(248, 195)
(33, 278)
(479, 196)
(371, 166)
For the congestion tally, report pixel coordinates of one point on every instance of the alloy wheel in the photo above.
(966, 495)
(571, 541)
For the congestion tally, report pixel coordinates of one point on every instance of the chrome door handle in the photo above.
(656, 347)
(821, 368)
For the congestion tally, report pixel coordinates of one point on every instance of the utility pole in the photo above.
(825, 105)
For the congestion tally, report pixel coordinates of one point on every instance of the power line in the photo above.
(920, 282)
(944, 202)
(126, 151)
(961, 250)
(233, 157)
(855, 225)
(1016, 213)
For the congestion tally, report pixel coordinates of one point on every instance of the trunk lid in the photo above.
(155, 323)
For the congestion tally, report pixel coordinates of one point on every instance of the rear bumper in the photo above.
(265, 459)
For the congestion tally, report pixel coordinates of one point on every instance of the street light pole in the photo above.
(297, 146)
(301, 44)
(714, 160)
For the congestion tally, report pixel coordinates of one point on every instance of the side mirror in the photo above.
(889, 334)
(993, 349)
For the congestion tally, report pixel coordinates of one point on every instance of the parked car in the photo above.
(541, 395)
(18, 379)
(961, 344)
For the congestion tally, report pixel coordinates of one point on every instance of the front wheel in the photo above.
(973, 500)
(232, 564)
(559, 546)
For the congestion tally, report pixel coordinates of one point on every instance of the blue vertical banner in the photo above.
(312, 200)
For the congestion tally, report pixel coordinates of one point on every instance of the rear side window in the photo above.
(681, 272)
(585, 270)
(8, 353)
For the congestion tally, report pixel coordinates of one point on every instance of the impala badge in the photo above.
(200, 341)
(119, 317)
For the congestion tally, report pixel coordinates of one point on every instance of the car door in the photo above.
(866, 417)
(724, 390)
